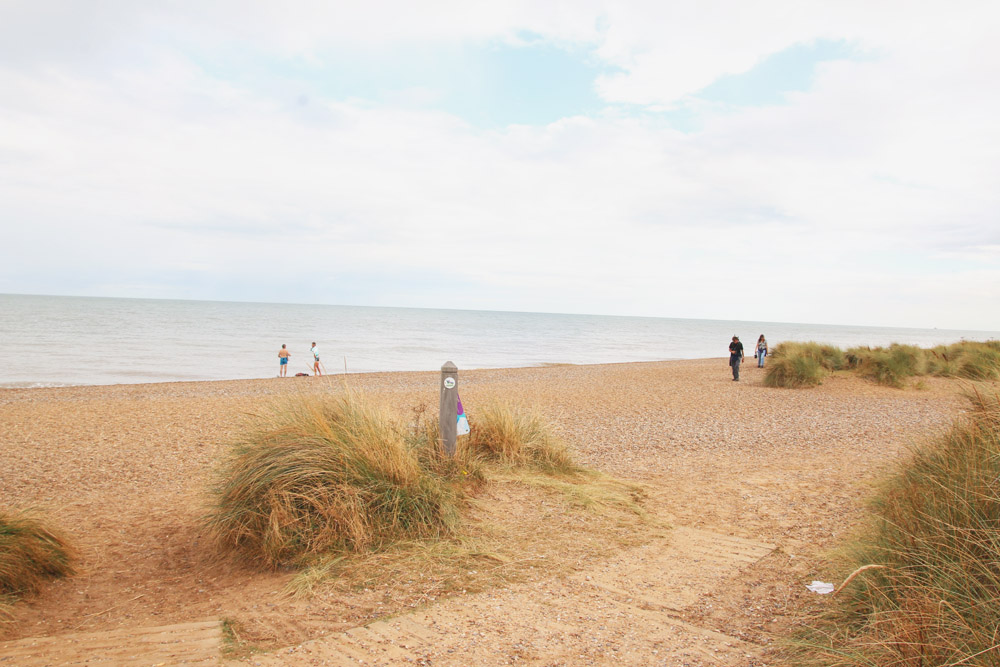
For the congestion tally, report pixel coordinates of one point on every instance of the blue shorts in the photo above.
(284, 361)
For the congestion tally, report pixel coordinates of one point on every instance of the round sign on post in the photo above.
(448, 414)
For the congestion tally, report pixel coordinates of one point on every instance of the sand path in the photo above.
(629, 609)
(777, 475)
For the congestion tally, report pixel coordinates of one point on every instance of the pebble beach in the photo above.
(124, 469)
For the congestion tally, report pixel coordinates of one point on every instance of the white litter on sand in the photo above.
(820, 587)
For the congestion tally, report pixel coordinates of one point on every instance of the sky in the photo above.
(829, 162)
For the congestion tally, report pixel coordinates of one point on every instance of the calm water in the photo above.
(81, 340)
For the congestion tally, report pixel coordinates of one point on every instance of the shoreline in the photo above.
(22, 385)
(36, 386)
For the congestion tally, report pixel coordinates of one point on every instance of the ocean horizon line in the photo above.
(511, 312)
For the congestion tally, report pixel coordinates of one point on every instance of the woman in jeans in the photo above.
(761, 351)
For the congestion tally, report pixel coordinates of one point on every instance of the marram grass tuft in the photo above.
(805, 364)
(329, 474)
(31, 552)
(929, 593)
(800, 364)
(506, 434)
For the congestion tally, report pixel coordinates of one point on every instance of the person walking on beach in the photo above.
(315, 351)
(283, 355)
(736, 357)
(761, 351)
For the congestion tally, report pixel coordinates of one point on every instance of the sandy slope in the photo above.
(124, 468)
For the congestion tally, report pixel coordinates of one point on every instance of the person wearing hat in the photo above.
(736, 357)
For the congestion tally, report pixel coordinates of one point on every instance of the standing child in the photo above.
(283, 355)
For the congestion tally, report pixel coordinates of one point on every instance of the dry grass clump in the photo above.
(506, 434)
(932, 598)
(805, 364)
(889, 366)
(802, 364)
(893, 365)
(340, 474)
(793, 372)
(434, 566)
(322, 477)
(978, 361)
(31, 552)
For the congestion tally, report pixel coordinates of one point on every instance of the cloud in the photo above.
(154, 150)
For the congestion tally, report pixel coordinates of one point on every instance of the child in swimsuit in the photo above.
(283, 355)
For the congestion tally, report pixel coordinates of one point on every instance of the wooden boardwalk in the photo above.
(591, 617)
(183, 643)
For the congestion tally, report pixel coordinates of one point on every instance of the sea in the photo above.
(61, 340)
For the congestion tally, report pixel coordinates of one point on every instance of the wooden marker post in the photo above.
(448, 416)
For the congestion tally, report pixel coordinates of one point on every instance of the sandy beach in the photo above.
(124, 470)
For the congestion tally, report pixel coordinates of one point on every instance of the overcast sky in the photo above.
(834, 162)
